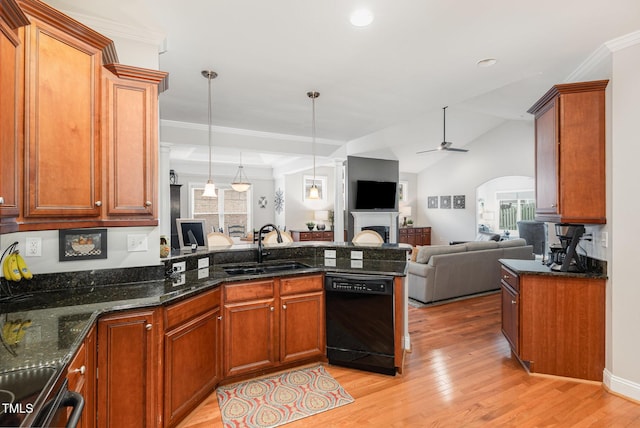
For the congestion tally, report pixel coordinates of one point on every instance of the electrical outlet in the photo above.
(137, 243)
(356, 255)
(203, 263)
(179, 267)
(33, 247)
(329, 254)
(604, 239)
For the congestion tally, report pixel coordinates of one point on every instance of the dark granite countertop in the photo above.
(60, 318)
(535, 267)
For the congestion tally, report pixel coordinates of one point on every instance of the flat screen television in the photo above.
(371, 195)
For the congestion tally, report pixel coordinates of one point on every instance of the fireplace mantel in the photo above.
(377, 218)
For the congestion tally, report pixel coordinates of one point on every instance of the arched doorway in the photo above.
(503, 201)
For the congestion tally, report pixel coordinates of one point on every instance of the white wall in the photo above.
(503, 151)
(622, 372)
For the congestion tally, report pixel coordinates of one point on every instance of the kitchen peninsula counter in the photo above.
(62, 316)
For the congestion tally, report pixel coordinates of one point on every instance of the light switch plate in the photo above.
(356, 255)
(330, 262)
(137, 242)
(203, 262)
(356, 264)
(329, 254)
(203, 273)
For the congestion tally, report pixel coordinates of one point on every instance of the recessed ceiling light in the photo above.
(361, 17)
(487, 62)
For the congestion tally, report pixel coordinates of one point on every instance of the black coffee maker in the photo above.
(564, 257)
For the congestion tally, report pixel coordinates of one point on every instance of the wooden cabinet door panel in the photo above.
(301, 326)
(547, 160)
(510, 317)
(130, 136)
(62, 148)
(11, 105)
(249, 336)
(192, 364)
(81, 375)
(127, 370)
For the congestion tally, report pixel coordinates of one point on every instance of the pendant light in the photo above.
(209, 188)
(240, 181)
(313, 191)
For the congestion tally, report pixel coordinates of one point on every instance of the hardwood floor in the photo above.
(460, 373)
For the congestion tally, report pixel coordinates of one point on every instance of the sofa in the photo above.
(441, 272)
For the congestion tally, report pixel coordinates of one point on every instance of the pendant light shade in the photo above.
(313, 190)
(240, 181)
(209, 188)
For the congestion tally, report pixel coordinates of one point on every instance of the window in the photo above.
(514, 207)
(230, 208)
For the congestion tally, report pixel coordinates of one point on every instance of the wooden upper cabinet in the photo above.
(570, 153)
(130, 111)
(62, 164)
(11, 105)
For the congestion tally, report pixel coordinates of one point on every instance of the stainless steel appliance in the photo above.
(360, 322)
(33, 397)
(565, 258)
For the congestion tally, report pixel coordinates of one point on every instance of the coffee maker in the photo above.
(564, 258)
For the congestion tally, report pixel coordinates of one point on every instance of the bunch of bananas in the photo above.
(15, 268)
(13, 331)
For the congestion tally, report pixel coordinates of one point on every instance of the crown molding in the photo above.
(624, 41)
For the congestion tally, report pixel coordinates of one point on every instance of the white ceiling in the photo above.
(416, 57)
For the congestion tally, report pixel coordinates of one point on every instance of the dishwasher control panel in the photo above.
(360, 284)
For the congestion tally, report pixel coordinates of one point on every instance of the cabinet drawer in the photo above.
(191, 308)
(510, 278)
(248, 290)
(301, 284)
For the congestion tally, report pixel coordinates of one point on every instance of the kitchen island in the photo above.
(63, 320)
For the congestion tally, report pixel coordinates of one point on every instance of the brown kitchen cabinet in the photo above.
(130, 108)
(268, 323)
(570, 153)
(129, 354)
(81, 375)
(11, 105)
(62, 161)
(415, 235)
(192, 357)
(555, 324)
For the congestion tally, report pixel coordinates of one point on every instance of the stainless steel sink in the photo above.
(263, 268)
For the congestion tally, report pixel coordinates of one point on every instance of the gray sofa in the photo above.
(442, 272)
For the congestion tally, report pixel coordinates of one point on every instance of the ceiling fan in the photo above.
(445, 146)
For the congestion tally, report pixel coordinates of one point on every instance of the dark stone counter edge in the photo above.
(535, 267)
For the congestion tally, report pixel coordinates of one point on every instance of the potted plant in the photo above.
(409, 223)
(310, 225)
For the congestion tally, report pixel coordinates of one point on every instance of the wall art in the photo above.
(432, 202)
(82, 244)
(458, 201)
(445, 202)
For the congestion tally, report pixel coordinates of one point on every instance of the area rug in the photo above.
(280, 399)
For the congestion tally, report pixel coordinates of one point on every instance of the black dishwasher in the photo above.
(360, 322)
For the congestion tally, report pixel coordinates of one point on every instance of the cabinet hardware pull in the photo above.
(554, 205)
(147, 204)
(284, 306)
(1, 200)
(98, 203)
(82, 370)
(220, 318)
(148, 326)
(272, 309)
(505, 276)
(513, 302)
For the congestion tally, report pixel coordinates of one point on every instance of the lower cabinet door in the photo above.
(302, 326)
(249, 336)
(510, 318)
(128, 370)
(192, 364)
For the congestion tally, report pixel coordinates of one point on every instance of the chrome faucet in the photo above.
(261, 252)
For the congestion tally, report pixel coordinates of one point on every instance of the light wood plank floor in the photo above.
(460, 373)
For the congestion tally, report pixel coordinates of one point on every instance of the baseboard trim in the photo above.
(622, 387)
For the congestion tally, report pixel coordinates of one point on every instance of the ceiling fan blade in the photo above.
(456, 150)
(427, 151)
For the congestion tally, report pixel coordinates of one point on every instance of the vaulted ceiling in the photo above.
(416, 57)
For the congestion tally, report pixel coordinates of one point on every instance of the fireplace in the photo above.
(380, 230)
(388, 219)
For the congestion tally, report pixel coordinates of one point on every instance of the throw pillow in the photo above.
(414, 252)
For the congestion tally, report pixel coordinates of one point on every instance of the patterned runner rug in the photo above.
(279, 399)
